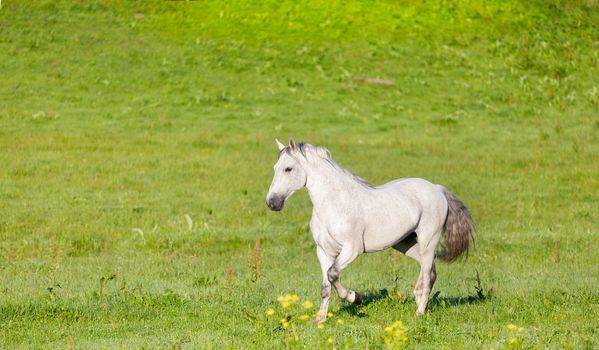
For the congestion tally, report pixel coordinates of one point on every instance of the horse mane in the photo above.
(324, 154)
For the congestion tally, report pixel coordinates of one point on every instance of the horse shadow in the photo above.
(435, 302)
(479, 296)
(440, 302)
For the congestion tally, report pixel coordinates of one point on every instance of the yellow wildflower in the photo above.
(284, 322)
(398, 324)
(340, 321)
(287, 300)
(320, 313)
(308, 304)
(512, 327)
(330, 314)
(395, 334)
(304, 317)
(270, 312)
(330, 341)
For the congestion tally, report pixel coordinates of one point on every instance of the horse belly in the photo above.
(384, 239)
(386, 227)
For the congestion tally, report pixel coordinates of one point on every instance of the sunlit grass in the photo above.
(137, 144)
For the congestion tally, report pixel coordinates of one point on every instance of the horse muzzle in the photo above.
(275, 203)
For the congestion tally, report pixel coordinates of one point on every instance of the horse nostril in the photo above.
(275, 203)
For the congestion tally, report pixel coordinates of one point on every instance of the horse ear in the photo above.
(279, 144)
(292, 145)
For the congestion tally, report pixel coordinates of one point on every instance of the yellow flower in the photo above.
(512, 327)
(340, 321)
(304, 317)
(395, 334)
(330, 314)
(270, 312)
(398, 324)
(287, 300)
(308, 304)
(320, 313)
(284, 322)
(330, 340)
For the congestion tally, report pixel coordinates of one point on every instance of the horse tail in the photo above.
(458, 230)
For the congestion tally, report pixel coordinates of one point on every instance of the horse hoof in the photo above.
(318, 320)
(358, 300)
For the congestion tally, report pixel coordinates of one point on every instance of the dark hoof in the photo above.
(358, 299)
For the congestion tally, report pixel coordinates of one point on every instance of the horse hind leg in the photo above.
(424, 285)
(410, 248)
(428, 274)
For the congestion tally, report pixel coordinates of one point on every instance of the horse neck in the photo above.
(327, 185)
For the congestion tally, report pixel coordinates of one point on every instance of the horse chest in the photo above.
(327, 242)
(333, 233)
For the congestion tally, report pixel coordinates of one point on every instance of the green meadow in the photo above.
(137, 145)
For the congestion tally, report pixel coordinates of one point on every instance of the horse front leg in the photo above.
(326, 262)
(348, 254)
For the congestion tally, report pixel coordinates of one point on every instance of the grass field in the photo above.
(137, 144)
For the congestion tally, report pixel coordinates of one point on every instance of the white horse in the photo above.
(351, 217)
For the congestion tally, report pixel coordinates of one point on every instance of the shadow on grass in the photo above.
(440, 302)
(479, 296)
(436, 301)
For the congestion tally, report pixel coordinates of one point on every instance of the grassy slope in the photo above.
(111, 123)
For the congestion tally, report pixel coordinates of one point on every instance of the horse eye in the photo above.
(288, 169)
